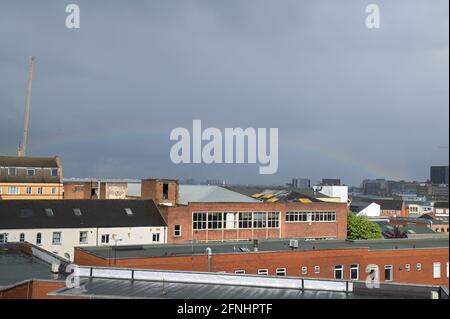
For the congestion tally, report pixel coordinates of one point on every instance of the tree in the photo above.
(360, 227)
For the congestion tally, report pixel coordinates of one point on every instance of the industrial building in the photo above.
(414, 261)
(233, 217)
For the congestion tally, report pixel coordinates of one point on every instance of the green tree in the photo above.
(360, 227)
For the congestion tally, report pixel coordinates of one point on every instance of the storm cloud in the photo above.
(348, 101)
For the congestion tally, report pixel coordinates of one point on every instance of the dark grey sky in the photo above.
(349, 102)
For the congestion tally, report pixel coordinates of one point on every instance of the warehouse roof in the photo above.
(74, 213)
(145, 251)
(207, 194)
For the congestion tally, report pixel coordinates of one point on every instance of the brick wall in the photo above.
(182, 215)
(293, 261)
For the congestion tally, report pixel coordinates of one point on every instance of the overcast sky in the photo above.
(349, 102)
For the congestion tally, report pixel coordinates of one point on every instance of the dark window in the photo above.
(388, 273)
(177, 230)
(105, 239)
(338, 272)
(273, 220)
(354, 272)
(31, 172)
(22, 237)
(165, 191)
(259, 220)
(215, 220)
(12, 171)
(199, 221)
(155, 237)
(245, 220)
(54, 172)
(38, 238)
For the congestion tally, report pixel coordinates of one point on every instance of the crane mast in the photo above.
(23, 146)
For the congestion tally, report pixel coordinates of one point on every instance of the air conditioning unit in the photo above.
(293, 243)
(55, 267)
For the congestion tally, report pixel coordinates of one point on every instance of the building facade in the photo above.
(59, 226)
(234, 221)
(30, 178)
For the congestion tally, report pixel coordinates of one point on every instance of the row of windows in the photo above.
(233, 220)
(15, 190)
(338, 271)
(12, 171)
(310, 216)
(57, 238)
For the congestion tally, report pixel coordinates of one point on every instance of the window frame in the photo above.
(263, 272)
(175, 230)
(391, 269)
(59, 242)
(336, 269)
(352, 268)
(280, 272)
(38, 239)
(81, 242)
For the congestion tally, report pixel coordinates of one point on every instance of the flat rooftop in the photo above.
(17, 266)
(117, 283)
(145, 251)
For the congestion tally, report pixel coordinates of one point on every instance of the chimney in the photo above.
(162, 191)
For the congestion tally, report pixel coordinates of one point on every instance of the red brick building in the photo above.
(232, 221)
(417, 261)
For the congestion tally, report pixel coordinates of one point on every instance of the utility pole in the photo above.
(21, 151)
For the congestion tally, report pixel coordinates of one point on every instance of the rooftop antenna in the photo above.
(21, 151)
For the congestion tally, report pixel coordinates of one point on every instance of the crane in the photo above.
(21, 151)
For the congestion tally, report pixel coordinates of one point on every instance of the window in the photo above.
(53, 190)
(407, 267)
(56, 239)
(273, 220)
(338, 271)
(259, 220)
(239, 272)
(281, 272)
(54, 172)
(29, 190)
(22, 237)
(177, 230)
(354, 272)
(199, 221)
(263, 272)
(231, 220)
(13, 190)
(304, 270)
(12, 171)
(40, 190)
(105, 239)
(388, 273)
(128, 211)
(317, 269)
(418, 266)
(38, 238)
(155, 237)
(165, 191)
(215, 220)
(49, 212)
(310, 216)
(77, 212)
(83, 237)
(3, 238)
(245, 220)
(31, 172)
(436, 270)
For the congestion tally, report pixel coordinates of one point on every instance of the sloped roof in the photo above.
(206, 193)
(29, 214)
(25, 161)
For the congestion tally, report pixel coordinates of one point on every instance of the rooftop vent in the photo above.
(77, 212)
(129, 211)
(49, 212)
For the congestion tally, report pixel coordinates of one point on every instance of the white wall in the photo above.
(334, 191)
(372, 210)
(70, 237)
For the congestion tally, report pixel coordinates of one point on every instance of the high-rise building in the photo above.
(301, 183)
(439, 174)
(331, 182)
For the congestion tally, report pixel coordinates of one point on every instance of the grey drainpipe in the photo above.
(209, 253)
